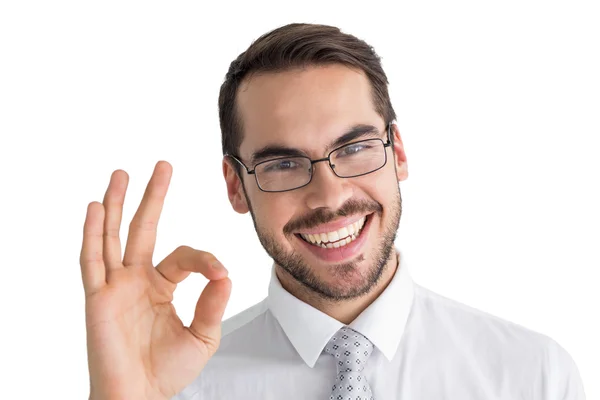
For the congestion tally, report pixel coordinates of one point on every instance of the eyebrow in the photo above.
(355, 132)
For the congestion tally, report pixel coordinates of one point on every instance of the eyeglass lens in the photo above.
(289, 173)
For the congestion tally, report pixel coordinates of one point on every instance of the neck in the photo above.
(344, 311)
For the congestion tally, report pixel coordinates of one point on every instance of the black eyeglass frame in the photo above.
(313, 162)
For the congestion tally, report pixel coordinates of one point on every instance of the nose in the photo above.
(326, 189)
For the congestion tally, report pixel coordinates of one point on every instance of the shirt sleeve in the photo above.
(564, 380)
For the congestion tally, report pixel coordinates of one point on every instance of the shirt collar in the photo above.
(309, 329)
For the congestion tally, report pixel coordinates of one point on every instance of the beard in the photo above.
(351, 281)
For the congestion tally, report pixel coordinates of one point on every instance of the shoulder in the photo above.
(468, 321)
(497, 347)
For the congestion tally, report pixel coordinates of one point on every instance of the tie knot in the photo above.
(350, 349)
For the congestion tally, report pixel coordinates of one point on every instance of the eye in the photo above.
(353, 149)
(281, 165)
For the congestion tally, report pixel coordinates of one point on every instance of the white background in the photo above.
(498, 105)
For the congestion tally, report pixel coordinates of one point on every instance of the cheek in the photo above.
(381, 187)
(272, 213)
(383, 192)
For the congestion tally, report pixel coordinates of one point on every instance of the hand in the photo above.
(138, 348)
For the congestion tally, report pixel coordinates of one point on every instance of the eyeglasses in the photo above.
(351, 160)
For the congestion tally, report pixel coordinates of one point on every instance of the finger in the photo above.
(210, 308)
(114, 198)
(142, 230)
(185, 260)
(93, 273)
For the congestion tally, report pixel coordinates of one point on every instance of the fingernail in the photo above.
(218, 265)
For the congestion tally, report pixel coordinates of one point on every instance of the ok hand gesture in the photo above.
(138, 348)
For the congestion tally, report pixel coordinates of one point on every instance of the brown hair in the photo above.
(292, 46)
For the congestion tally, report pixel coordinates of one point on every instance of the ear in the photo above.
(399, 154)
(235, 190)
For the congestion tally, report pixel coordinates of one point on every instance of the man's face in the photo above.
(307, 110)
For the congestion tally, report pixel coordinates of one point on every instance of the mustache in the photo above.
(323, 215)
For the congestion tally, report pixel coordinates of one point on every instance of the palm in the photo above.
(137, 345)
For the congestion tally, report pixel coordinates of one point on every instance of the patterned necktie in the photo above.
(351, 351)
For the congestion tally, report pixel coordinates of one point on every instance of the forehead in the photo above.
(303, 108)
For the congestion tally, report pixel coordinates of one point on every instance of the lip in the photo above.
(343, 253)
(333, 226)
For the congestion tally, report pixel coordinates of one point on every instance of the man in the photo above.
(312, 151)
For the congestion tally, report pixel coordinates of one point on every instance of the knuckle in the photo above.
(207, 257)
(92, 233)
(206, 254)
(111, 232)
(114, 201)
(183, 248)
(90, 257)
(145, 226)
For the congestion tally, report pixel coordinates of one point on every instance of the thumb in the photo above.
(208, 315)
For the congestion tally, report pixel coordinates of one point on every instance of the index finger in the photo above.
(142, 229)
(185, 260)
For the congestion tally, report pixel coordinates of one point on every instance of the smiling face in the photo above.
(335, 235)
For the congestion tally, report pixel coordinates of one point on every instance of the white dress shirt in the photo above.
(426, 347)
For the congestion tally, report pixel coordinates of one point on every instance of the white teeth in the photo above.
(336, 239)
(351, 229)
(343, 232)
(333, 236)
